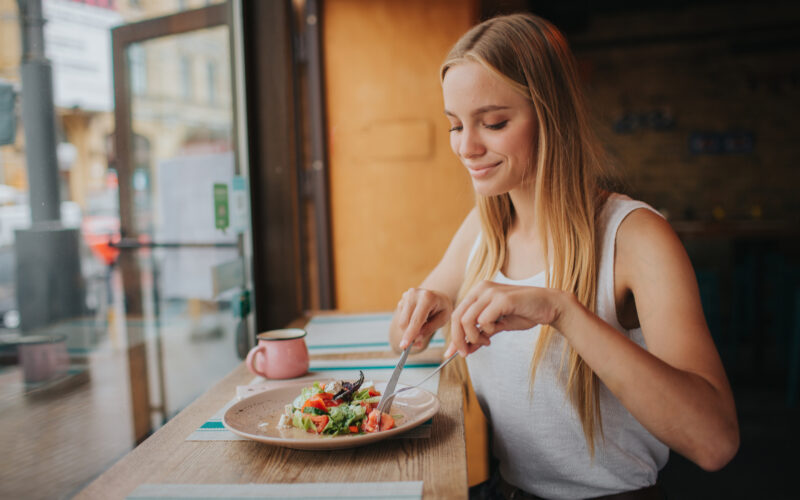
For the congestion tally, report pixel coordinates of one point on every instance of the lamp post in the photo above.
(49, 281)
(38, 115)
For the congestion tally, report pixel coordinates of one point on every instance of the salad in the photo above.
(337, 408)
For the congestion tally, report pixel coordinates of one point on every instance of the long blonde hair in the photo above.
(532, 56)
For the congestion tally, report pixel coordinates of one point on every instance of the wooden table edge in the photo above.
(127, 473)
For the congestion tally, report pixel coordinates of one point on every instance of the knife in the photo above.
(387, 392)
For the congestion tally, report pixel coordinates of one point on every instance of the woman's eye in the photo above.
(455, 128)
(496, 126)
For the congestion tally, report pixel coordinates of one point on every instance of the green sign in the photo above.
(241, 304)
(8, 117)
(221, 212)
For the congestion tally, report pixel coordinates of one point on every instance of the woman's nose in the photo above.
(470, 145)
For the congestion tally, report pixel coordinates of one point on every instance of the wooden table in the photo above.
(166, 456)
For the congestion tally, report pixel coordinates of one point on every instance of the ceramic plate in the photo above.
(256, 418)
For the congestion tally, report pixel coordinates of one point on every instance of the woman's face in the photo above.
(493, 128)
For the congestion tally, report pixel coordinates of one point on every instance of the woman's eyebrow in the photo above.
(481, 110)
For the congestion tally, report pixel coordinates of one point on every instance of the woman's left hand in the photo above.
(490, 308)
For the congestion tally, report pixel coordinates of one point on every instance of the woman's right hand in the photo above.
(419, 314)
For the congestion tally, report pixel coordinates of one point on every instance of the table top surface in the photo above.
(167, 457)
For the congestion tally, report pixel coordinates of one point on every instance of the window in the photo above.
(211, 84)
(138, 67)
(186, 77)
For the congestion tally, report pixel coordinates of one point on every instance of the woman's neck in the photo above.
(524, 212)
(525, 255)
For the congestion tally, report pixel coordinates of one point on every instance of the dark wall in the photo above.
(698, 105)
(696, 101)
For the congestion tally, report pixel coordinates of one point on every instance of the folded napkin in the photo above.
(352, 333)
(400, 490)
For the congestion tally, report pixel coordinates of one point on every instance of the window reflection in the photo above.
(66, 385)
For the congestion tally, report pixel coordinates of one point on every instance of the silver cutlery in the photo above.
(387, 392)
(386, 401)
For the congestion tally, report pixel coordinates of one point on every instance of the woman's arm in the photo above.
(677, 388)
(421, 311)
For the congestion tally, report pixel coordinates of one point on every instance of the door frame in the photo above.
(121, 38)
(279, 283)
(263, 84)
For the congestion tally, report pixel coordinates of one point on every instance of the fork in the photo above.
(390, 398)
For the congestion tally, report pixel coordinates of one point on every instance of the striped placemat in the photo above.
(397, 490)
(353, 333)
(322, 370)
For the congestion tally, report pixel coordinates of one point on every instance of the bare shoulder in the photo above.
(652, 264)
(649, 251)
(449, 273)
(472, 223)
(645, 239)
(464, 238)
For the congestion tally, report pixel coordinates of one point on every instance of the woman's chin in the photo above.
(487, 189)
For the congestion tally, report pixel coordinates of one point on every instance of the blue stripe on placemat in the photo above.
(363, 344)
(372, 367)
(347, 346)
(348, 319)
(213, 425)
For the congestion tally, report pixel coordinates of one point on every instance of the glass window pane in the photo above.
(76, 351)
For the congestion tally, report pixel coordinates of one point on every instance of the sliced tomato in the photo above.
(320, 421)
(316, 402)
(371, 423)
(387, 422)
(327, 398)
(353, 429)
(368, 407)
(373, 392)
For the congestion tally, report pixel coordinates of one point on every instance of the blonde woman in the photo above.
(577, 309)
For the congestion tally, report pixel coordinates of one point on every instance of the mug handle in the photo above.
(251, 359)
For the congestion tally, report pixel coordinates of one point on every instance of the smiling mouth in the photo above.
(482, 171)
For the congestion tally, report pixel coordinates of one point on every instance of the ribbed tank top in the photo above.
(539, 440)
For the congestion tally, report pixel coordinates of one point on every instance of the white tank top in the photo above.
(539, 441)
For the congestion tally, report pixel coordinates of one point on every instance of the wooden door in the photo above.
(397, 192)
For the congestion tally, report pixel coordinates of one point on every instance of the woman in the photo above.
(577, 310)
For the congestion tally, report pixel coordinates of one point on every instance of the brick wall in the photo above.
(727, 75)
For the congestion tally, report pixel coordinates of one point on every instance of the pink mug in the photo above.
(279, 354)
(42, 357)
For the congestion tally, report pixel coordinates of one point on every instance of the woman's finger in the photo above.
(456, 328)
(405, 310)
(418, 318)
(472, 333)
(492, 314)
(472, 348)
(432, 324)
(457, 342)
(473, 328)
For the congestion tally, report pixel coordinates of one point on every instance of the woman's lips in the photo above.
(482, 171)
